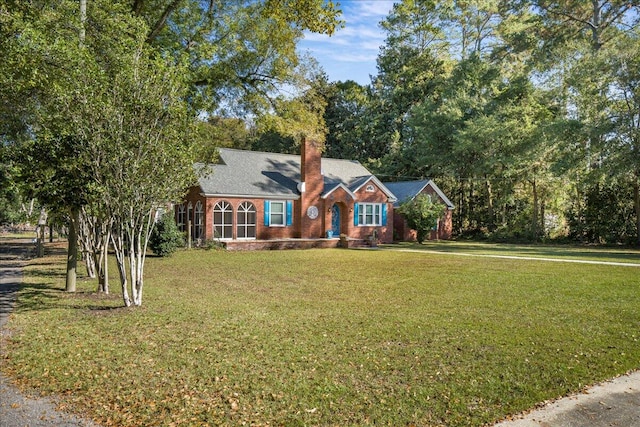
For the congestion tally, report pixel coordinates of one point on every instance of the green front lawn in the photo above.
(567, 252)
(327, 337)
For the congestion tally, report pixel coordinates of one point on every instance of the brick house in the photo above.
(408, 190)
(250, 197)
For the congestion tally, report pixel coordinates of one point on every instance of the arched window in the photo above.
(198, 221)
(246, 221)
(223, 220)
(180, 218)
(190, 219)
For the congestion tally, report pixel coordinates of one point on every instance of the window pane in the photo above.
(223, 220)
(277, 219)
(277, 216)
(245, 219)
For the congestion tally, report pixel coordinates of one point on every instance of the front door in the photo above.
(335, 220)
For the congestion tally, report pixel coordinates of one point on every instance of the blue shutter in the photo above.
(267, 207)
(356, 207)
(384, 214)
(289, 212)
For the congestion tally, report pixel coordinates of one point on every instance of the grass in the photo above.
(589, 253)
(326, 337)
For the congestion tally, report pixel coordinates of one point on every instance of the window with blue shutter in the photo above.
(370, 214)
(278, 213)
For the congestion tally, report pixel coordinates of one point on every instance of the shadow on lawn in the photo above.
(47, 296)
(544, 251)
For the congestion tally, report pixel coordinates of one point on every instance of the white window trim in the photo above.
(362, 214)
(223, 224)
(283, 203)
(245, 225)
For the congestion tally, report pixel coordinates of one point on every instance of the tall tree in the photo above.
(584, 42)
(347, 118)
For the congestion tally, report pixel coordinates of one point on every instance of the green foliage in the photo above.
(422, 214)
(166, 238)
(10, 197)
(347, 118)
(240, 53)
(512, 106)
(606, 216)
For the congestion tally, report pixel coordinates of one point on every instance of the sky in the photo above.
(351, 52)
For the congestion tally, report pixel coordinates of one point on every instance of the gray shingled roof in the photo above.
(259, 174)
(407, 190)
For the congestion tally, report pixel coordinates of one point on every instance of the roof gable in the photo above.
(408, 190)
(361, 183)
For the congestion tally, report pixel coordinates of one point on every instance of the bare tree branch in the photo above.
(160, 23)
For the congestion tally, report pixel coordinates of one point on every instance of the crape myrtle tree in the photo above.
(139, 132)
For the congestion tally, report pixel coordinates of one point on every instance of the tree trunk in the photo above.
(72, 251)
(491, 225)
(102, 261)
(534, 218)
(117, 239)
(83, 20)
(543, 229)
(636, 204)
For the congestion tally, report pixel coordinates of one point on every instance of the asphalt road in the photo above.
(17, 409)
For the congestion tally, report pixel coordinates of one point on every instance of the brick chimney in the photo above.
(310, 166)
(311, 188)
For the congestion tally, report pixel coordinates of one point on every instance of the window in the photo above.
(278, 213)
(223, 220)
(180, 218)
(198, 221)
(370, 214)
(246, 221)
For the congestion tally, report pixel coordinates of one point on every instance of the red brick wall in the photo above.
(385, 232)
(262, 231)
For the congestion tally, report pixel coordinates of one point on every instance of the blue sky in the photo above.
(350, 54)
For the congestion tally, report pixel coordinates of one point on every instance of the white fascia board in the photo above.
(252, 196)
(344, 187)
(392, 198)
(440, 194)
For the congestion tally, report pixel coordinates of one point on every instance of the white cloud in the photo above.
(351, 53)
(358, 43)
